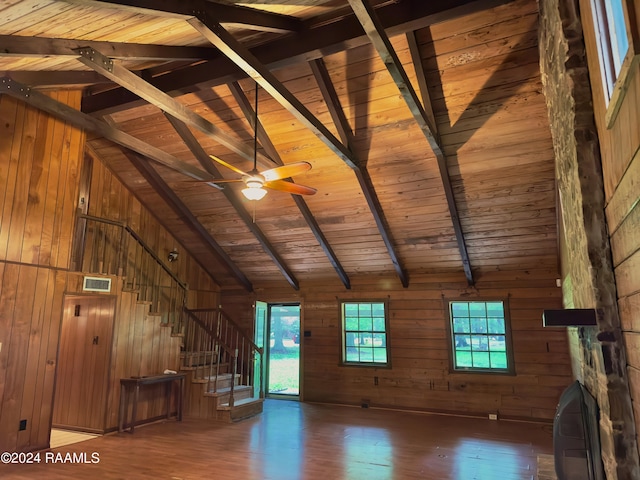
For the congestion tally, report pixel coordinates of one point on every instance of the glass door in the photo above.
(283, 354)
(260, 339)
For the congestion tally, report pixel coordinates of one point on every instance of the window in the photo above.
(480, 336)
(615, 51)
(613, 42)
(364, 333)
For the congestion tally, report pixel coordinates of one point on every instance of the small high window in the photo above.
(613, 40)
(479, 336)
(364, 334)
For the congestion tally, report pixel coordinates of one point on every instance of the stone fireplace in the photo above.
(598, 353)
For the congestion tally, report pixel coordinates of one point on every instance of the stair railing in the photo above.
(214, 342)
(110, 247)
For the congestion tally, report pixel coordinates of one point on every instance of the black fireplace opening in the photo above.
(576, 436)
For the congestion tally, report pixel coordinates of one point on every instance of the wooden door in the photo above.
(83, 363)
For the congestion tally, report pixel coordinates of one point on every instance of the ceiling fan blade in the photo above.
(228, 165)
(285, 171)
(290, 187)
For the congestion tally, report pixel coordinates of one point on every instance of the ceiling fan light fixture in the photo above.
(255, 192)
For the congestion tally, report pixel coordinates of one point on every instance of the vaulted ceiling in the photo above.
(424, 123)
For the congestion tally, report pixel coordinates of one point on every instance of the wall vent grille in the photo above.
(96, 284)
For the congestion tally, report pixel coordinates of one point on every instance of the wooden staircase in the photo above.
(222, 364)
(213, 348)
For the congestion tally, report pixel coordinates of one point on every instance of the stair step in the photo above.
(238, 389)
(222, 395)
(241, 410)
(241, 402)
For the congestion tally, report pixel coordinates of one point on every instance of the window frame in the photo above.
(343, 334)
(510, 370)
(614, 85)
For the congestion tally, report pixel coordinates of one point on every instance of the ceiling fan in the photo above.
(256, 181)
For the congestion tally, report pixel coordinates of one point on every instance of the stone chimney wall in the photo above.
(598, 353)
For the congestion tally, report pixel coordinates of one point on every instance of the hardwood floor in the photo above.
(294, 440)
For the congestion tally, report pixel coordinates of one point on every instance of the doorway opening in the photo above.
(279, 323)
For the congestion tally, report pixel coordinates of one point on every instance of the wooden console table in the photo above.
(128, 384)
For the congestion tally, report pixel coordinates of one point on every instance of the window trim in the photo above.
(511, 368)
(614, 94)
(343, 362)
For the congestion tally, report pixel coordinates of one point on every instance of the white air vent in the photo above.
(96, 284)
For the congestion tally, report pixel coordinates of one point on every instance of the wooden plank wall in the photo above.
(39, 167)
(110, 199)
(40, 164)
(419, 378)
(620, 150)
(142, 346)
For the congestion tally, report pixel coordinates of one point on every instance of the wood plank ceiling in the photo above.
(424, 123)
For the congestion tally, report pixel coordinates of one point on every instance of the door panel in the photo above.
(83, 362)
(260, 339)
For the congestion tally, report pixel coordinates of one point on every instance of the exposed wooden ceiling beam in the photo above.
(423, 87)
(375, 31)
(318, 38)
(174, 202)
(265, 141)
(10, 87)
(204, 159)
(112, 70)
(247, 16)
(18, 46)
(225, 42)
(47, 78)
(242, 57)
(346, 134)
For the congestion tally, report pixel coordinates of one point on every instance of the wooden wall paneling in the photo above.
(623, 240)
(64, 357)
(120, 359)
(21, 192)
(419, 377)
(17, 346)
(630, 312)
(28, 407)
(36, 198)
(9, 275)
(70, 160)
(53, 166)
(135, 348)
(622, 140)
(628, 275)
(50, 348)
(148, 327)
(10, 122)
(623, 201)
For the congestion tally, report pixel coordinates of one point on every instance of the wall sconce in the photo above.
(173, 255)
